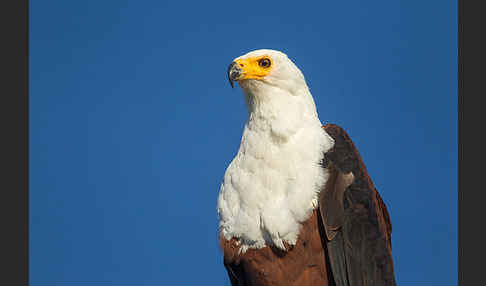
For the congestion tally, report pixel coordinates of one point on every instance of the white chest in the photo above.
(272, 185)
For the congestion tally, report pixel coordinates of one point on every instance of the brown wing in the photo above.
(355, 218)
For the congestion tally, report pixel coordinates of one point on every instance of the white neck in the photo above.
(272, 184)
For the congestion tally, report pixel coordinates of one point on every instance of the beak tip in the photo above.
(233, 73)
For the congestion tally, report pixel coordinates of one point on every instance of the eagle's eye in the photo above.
(265, 63)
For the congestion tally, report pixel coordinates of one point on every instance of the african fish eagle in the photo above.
(296, 205)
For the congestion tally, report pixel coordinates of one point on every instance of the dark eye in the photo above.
(264, 63)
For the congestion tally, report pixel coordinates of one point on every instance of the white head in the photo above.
(274, 88)
(266, 67)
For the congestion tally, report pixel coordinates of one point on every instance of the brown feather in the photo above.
(360, 250)
(303, 264)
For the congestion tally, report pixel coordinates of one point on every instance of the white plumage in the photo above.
(272, 184)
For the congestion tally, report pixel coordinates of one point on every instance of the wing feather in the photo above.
(355, 218)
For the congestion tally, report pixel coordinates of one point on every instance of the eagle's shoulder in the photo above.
(345, 158)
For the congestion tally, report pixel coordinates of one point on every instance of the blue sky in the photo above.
(133, 122)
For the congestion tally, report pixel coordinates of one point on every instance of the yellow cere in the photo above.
(255, 67)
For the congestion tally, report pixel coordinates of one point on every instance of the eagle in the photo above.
(296, 205)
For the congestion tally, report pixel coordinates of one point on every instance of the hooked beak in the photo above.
(234, 73)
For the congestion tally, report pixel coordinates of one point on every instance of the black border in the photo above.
(14, 120)
(471, 143)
